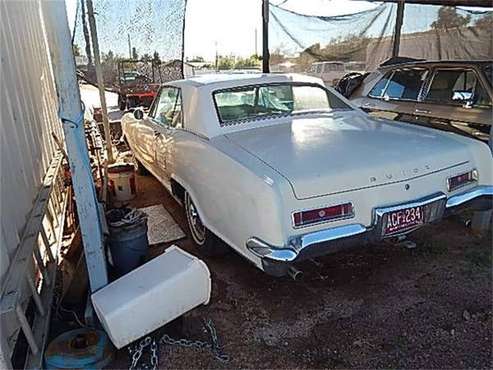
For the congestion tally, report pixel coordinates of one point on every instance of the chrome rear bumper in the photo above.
(276, 259)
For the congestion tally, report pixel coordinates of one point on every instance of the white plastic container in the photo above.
(122, 181)
(152, 295)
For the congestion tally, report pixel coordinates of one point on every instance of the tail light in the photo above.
(318, 215)
(463, 179)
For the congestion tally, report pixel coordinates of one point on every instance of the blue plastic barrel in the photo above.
(128, 240)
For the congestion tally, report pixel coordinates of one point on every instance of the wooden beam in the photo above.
(99, 77)
(60, 46)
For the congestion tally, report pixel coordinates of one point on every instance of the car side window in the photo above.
(481, 97)
(379, 88)
(168, 107)
(405, 84)
(452, 86)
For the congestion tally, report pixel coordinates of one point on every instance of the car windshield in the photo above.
(265, 101)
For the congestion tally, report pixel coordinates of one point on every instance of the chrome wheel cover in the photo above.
(197, 228)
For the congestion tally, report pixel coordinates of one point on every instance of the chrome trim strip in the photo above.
(264, 250)
(479, 191)
(297, 244)
(330, 235)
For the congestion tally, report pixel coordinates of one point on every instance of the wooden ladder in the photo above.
(32, 271)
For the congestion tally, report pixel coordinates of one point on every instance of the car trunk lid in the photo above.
(346, 151)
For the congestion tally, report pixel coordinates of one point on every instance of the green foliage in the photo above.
(231, 62)
(225, 62)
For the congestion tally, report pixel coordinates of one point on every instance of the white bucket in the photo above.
(152, 295)
(122, 182)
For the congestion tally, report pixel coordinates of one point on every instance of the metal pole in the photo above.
(99, 76)
(60, 46)
(398, 27)
(86, 32)
(129, 47)
(265, 36)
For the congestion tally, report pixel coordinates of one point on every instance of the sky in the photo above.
(228, 27)
(233, 26)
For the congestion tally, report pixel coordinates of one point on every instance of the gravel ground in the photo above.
(379, 307)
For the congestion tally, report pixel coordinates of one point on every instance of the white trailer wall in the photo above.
(28, 116)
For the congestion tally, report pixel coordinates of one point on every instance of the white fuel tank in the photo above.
(152, 295)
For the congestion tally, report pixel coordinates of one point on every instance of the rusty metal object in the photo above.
(84, 348)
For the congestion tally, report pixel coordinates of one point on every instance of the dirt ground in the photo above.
(379, 307)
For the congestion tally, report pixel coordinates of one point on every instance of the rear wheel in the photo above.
(207, 243)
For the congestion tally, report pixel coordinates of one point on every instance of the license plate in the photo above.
(403, 220)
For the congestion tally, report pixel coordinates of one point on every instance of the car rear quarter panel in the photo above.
(237, 197)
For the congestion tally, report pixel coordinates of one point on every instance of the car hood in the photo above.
(345, 151)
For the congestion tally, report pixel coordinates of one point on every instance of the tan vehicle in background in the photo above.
(454, 96)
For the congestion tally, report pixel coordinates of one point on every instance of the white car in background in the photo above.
(282, 169)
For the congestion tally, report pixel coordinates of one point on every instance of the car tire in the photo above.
(207, 243)
(141, 170)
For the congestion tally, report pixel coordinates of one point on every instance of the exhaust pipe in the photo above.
(295, 273)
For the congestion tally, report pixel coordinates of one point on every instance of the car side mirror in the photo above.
(138, 114)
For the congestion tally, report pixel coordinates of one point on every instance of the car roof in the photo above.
(226, 80)
(423, 63)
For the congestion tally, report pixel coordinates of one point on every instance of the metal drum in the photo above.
(84, 348)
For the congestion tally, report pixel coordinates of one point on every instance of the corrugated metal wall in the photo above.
(28, 116)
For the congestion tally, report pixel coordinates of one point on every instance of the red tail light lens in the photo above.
(461, 180)
(315, 216)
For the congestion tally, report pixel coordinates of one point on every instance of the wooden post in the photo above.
(265, 36)
(70, 111)
(398, 27)
(99, 76)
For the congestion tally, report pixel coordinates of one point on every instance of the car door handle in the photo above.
(423, 111)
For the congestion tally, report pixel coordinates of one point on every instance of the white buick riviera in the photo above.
(282, 169)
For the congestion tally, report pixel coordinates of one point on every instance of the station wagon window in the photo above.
(402, 84)
(167, 109)
(481, 97)
(379, 88)
(265, 101)
(455, 86)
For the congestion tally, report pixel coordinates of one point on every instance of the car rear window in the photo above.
(270, 100)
